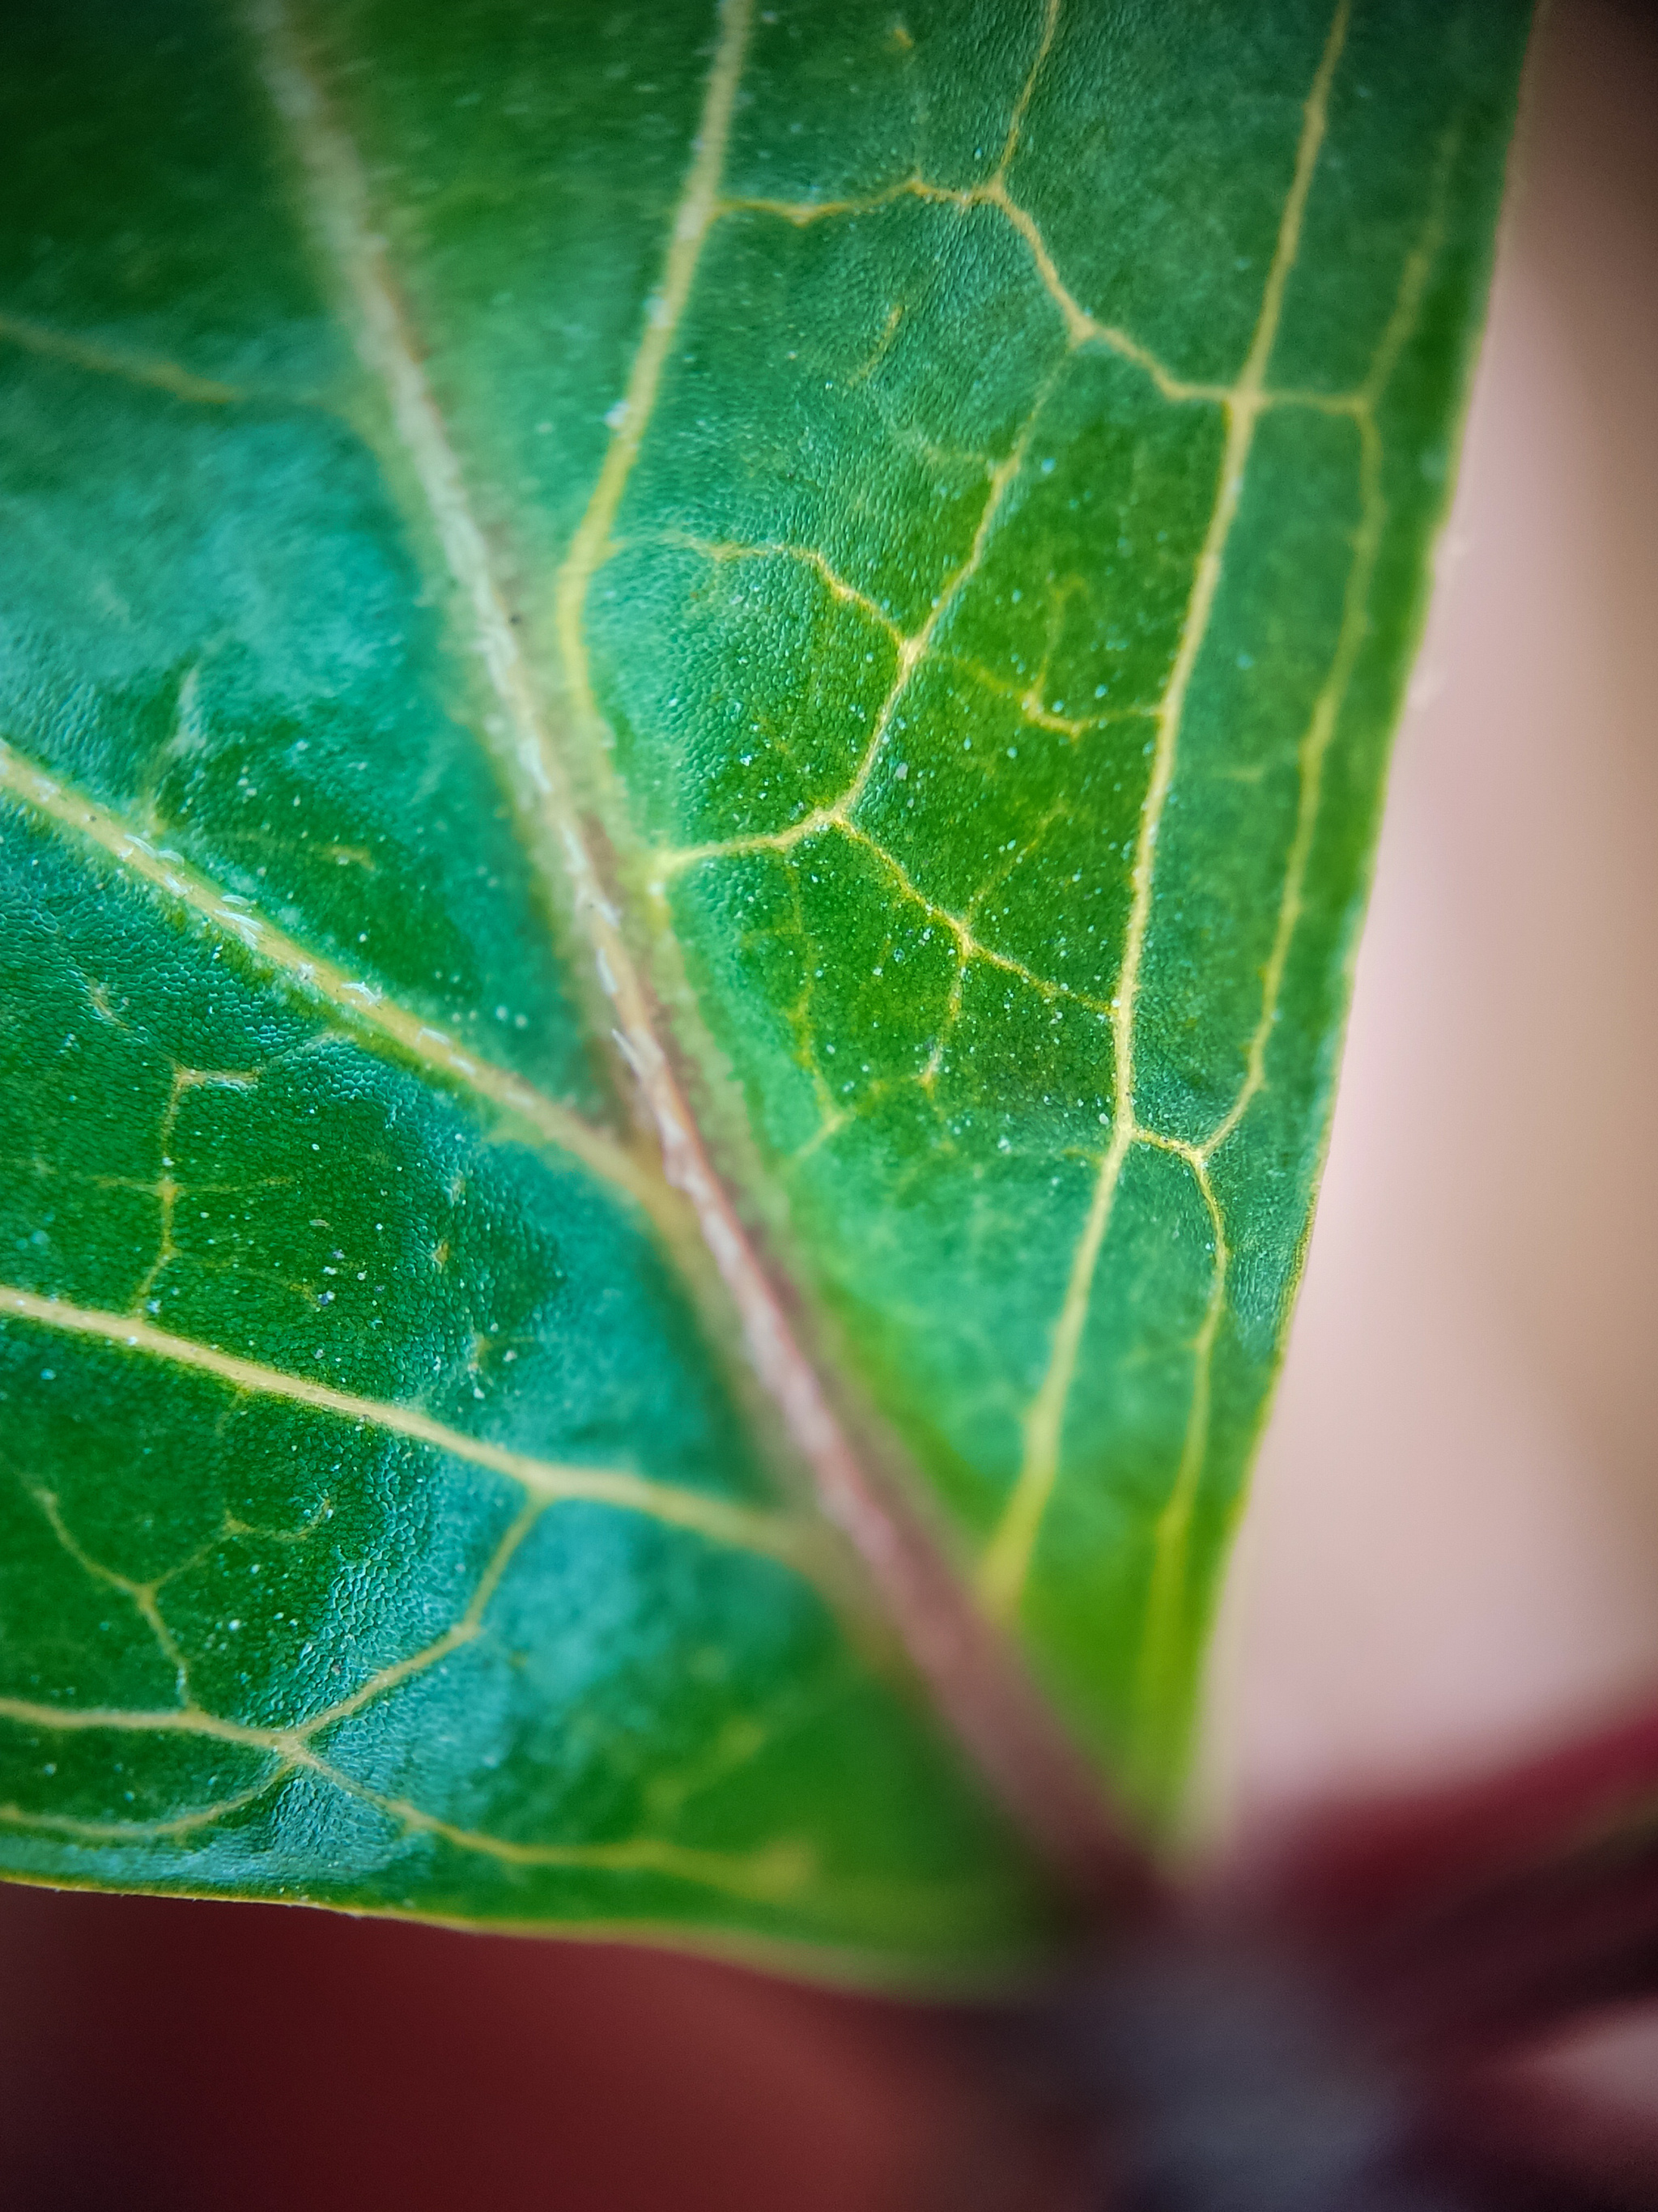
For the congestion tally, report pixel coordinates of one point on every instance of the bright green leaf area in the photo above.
(956, 481)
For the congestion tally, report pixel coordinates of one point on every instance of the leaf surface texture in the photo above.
(814, 594)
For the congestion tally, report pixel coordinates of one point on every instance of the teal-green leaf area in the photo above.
(853, 564)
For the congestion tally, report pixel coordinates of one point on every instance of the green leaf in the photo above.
(693, 702)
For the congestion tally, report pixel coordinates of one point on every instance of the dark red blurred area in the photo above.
(162, 2056)
(1384, 1996)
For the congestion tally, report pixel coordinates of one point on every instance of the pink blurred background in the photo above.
(1453, 1550)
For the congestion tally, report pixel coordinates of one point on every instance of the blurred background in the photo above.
(1452, 1552)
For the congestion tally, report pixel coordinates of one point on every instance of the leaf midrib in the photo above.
(961, 1656)
(945, 1625)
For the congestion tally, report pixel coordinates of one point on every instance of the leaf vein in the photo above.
(367, 1010)
(793, 1543)
(1005, 1565)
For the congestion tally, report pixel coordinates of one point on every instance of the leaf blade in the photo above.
(382, 1527)
(863, 548)
(760, 537)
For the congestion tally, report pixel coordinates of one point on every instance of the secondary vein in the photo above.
(106, 360)
(722, 1522)
(366, 1006)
